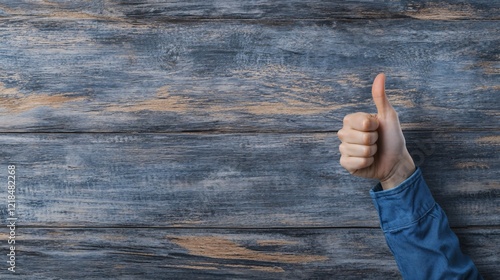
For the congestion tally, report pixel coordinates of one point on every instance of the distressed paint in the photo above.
(220, 248)
(233, 75)
(245, 180)
(342, 253)
(196, 139)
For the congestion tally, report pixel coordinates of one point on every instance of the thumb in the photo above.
(379, 97)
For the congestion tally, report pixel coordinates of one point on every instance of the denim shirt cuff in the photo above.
(403, 205)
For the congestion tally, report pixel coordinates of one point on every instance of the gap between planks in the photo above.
(454, 228)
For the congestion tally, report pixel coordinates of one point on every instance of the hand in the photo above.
(373, 146)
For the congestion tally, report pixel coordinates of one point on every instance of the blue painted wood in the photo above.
(153, 253)
(72, 73)
(196, 139)
(233, 180)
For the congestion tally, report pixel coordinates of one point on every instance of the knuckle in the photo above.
(367, 150)
(343, 162)
(345, 121)
(342, 149)
(367, 138)
(374, 137)
(340, 134)
(366, 124)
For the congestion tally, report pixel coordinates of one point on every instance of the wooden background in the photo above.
(196, 139)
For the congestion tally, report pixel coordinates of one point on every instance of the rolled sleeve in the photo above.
(403, 205)
(418, 233)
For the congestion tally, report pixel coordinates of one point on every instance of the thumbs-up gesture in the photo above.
(373, 146)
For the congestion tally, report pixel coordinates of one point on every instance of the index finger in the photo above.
(361, 121)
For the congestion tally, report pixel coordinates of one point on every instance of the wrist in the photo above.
(401, 171)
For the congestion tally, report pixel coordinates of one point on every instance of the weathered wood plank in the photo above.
(253, 9)
(233, 180)
(283, 66)
(127, 253)
(69, 73)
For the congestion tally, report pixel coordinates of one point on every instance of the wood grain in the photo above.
(154, 10)
(233, 180)
(67, 74)
(195, 139)
(224, 254)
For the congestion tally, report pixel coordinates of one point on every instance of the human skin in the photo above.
(373, 145)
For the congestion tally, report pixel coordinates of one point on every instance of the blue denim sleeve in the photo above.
(417, 232)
